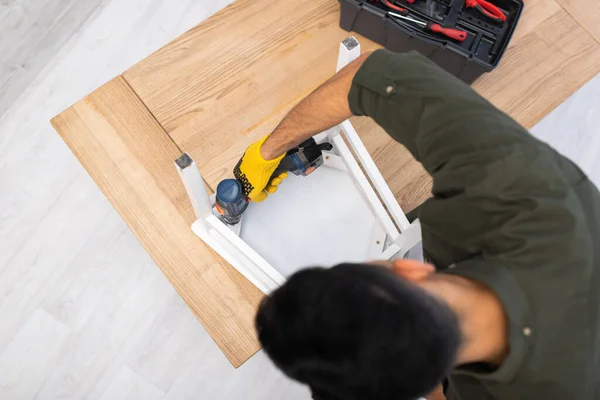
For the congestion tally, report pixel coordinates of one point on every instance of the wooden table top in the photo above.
(229, 81)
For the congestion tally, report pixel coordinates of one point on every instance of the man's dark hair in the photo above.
(358, 331)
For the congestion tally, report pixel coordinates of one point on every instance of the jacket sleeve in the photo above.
(497, 191)
(435, 115)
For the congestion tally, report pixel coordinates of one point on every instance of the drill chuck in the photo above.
(230, 201)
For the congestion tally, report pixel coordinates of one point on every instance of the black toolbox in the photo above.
(481, 52)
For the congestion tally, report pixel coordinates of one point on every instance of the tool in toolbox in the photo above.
(452, 33)
(230, 200)
(488, 9)
(395, 7)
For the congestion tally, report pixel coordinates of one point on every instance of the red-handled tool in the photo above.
(452, 33)
(390, 4)
(395, 7)
(488, 9)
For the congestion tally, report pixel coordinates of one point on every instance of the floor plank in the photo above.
(570, 128)
(128, 385)
(31, 357)
(31, 274)
(256, 380)
(111, 282)
(37, 30)
(586, 12)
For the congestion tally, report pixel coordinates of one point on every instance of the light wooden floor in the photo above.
(84, 312)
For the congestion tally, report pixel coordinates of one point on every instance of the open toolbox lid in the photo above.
(334, 215)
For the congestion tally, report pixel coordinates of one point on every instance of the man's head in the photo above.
(360, 331)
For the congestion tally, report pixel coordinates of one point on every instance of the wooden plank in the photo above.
(247, 52)
(542, 67)
(586, 12)
(130, 157)
(34, 31)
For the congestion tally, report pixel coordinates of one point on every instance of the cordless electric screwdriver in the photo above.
(230, 200)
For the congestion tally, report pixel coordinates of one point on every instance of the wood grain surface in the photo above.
(228, 82)
(544, 64)
(130, 158)
(586, 12)
(216, 89)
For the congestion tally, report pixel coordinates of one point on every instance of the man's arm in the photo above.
(437, 117)
(423, 107)
(324, 108)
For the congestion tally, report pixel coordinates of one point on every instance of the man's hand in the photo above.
(254, 172)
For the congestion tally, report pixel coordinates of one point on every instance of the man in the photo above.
(508, 308)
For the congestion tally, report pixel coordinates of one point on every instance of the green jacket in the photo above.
(508, 211)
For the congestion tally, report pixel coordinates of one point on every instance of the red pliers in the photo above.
(487, 9)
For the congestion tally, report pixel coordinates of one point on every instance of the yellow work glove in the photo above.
(254, 173)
